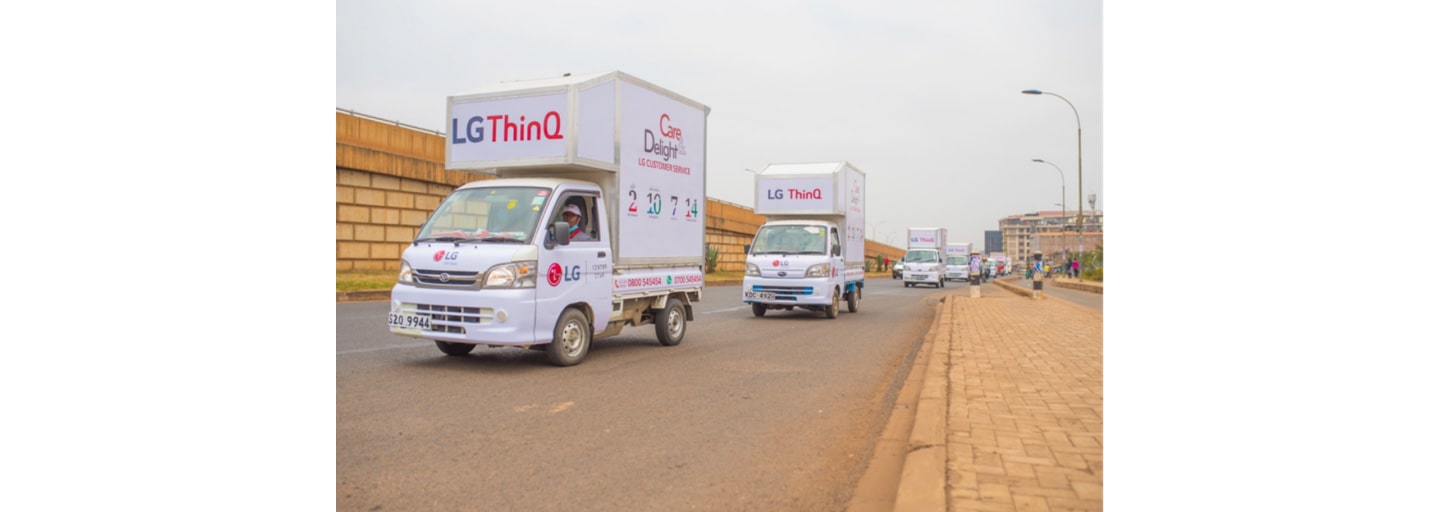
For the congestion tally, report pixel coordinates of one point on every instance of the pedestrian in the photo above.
(1075, 268)
(887, 263)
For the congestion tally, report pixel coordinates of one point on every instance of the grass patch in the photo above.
(362, 280)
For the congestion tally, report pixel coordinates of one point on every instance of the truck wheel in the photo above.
(454, 349)
(670, 324)
(853, 301)
(757, 309)
(572, 339)
(942, 283)
(833, 310)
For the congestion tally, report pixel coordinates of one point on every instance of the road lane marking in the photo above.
(406, 346)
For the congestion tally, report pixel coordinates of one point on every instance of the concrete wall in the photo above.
(388, 179)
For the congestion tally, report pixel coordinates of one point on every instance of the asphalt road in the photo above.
(772, 413)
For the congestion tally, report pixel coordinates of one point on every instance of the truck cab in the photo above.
(924, 266)
(493, 259)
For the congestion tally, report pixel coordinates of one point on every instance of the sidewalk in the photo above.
(1010, 414)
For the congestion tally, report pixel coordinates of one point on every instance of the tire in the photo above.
(572, 339)
(942, 283)
(852, 303)
(454, 349)
(758, 309)
(833, 310)
(670, 323)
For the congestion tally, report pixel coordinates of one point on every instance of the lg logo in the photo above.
(556, 273)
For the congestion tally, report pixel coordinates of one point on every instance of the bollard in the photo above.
(1038, 289)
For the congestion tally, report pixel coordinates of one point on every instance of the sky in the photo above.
(922, 96)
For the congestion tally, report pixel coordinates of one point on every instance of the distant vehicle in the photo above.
(924, 263)
(957, 262)
(897, 269)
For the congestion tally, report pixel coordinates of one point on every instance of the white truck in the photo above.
(924, 262)
(810, 253)
(496, 264)
(957, 262)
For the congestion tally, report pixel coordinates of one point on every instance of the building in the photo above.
(1052, 234)
(993, 242)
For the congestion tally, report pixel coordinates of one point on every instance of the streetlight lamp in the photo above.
(1079, 169)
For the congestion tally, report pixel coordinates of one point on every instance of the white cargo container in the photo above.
(957, 262)
(810, 253)
(924, 261)
(496, 265)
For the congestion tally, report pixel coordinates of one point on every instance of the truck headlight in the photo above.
(752, 270)
(407, 274)
(821, 270)
(520, 274)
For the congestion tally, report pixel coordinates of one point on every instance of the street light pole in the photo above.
(1079, 170)
(1064, 238)
(1062, 181)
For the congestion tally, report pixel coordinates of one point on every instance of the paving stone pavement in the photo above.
(1017, 397)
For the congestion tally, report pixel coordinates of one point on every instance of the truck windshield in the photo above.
(957, 260)
(922, 257)
(499, 214)
(789, 240)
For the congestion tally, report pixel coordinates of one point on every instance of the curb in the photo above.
(1081, 285)
(923, 475)
(1017, 290)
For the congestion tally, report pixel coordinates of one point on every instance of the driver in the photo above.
(574, 216)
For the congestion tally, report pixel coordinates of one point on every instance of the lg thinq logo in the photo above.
(503, 129)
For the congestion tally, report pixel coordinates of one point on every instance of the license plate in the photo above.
(404, 321)
(760, 295)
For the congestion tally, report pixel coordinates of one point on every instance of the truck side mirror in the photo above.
(747, 248)
(560, 233)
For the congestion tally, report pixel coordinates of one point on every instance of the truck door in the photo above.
(577, 273)
(837, 260)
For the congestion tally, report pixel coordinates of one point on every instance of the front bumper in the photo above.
(812, 291)
(922, 277)
(483, 317)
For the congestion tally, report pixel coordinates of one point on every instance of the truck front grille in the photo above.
(447, 279)
(452, 319)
